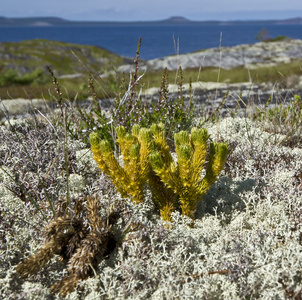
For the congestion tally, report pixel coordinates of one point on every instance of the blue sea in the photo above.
(157, 40)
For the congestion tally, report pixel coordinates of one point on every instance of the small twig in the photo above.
(59, 99)
(197, 276)
(45, 118)
(220, 56)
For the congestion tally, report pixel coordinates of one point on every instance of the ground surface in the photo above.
(246, 241)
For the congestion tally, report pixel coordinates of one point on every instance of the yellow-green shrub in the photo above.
(148, 160)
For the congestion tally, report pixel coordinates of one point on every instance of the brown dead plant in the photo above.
(80, 237)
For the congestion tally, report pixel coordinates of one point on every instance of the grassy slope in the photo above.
(33, 54)
(63, 58)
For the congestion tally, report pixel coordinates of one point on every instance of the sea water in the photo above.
(157, 40)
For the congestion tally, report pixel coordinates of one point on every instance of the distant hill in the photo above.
(53, 21)
(177, 19)
(37, 21)
(291, 21)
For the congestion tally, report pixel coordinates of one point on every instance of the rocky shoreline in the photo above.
(249, 56)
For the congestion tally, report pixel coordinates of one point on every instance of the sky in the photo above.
(145, 10)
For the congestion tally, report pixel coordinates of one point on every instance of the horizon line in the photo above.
(171, 18)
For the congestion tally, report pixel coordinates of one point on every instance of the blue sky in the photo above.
(128, 10)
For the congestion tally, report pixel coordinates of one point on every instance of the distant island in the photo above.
(53, 21)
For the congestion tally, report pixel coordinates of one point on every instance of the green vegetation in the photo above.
(64, 58)
(283, 119)
(175, 186)
(264, 36)
(130, 110)
(11, 77)
(278, 38)
(24, 64)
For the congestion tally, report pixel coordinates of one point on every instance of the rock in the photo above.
(207, 96)
(259, 54)
(22, 106)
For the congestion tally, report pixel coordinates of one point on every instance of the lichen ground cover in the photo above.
(246, 241)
